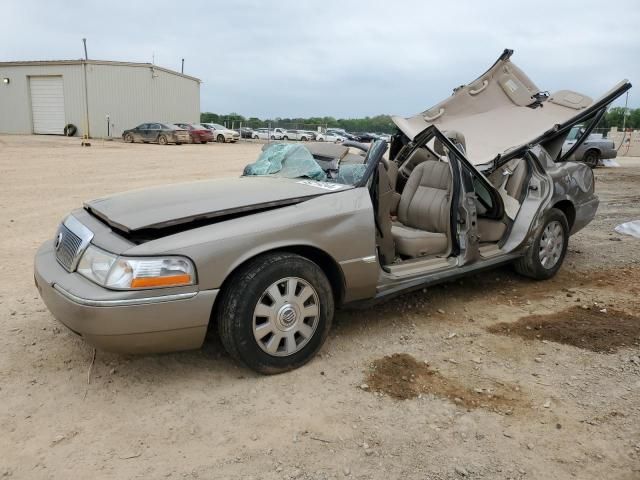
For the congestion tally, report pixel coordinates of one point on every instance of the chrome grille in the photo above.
(71, 241)
(67, 246)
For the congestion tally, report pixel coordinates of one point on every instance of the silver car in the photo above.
(477, 181)
(591, 149)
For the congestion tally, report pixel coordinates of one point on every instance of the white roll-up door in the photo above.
(47, 105)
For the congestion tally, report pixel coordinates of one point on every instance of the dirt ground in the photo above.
(574, 412)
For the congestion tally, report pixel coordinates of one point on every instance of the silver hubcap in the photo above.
(551, 244)
(286, 316)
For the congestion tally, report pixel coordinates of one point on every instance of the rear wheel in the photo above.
(220, 138)
(285, 138)
(546, 254)
(162, 140)
(276, 312)
(591, 158)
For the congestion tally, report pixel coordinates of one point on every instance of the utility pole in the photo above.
(182, 68)
(87, 133)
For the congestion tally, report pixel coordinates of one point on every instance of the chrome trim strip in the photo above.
(121, 303)
(369, 259)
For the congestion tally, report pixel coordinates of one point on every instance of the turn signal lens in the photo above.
(170, 281)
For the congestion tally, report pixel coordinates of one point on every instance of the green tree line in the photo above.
(378, 124)
(615, 118)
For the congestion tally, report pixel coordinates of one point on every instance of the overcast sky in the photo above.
(340, 58)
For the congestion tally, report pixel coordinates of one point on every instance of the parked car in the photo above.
(365, 137)
(221, 133)
(329, 137)
(267, 258)
(284, 134)
(342, 133)
(246, 132)
(198, 133)
(590, 151)
(302, 135)
(267, 134)
(156, 132)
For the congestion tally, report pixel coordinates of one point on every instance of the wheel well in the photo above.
(321, 258)
(566, 207)
(592, 149)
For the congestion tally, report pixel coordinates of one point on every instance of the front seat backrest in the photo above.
(425, 199)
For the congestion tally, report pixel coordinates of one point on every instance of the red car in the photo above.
(197, 132)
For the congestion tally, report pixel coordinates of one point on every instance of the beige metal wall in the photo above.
(627, 143)
(130, 94)
(15, 99)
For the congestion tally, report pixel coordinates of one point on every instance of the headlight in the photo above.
(128, 273)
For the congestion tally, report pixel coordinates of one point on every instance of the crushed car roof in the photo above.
(500, 110)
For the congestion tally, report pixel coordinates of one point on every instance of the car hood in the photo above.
(172, 205)
(503, 109)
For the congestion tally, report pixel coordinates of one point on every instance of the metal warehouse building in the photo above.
(44, 96)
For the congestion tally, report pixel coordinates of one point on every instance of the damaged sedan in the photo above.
(478, 180)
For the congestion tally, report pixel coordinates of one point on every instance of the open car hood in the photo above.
(172, 205)
(503, 109)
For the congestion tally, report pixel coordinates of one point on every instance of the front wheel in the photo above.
(128, 138)
(273, 137)
(220, 138)
(546, 254)
(276, 312)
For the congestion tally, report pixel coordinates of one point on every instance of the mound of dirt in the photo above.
(402, 377)
(595, 329)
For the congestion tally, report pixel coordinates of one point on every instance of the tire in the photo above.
(178, 143)
(544, 257)
(298, 339)
(70, 130)
(220, 138)
(591, 158)
(285, 138)
(304, 139)
(162, 140)
(128, 138)
(256, 137)
(273, 137)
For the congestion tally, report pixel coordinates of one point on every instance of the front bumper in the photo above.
(128, 322)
